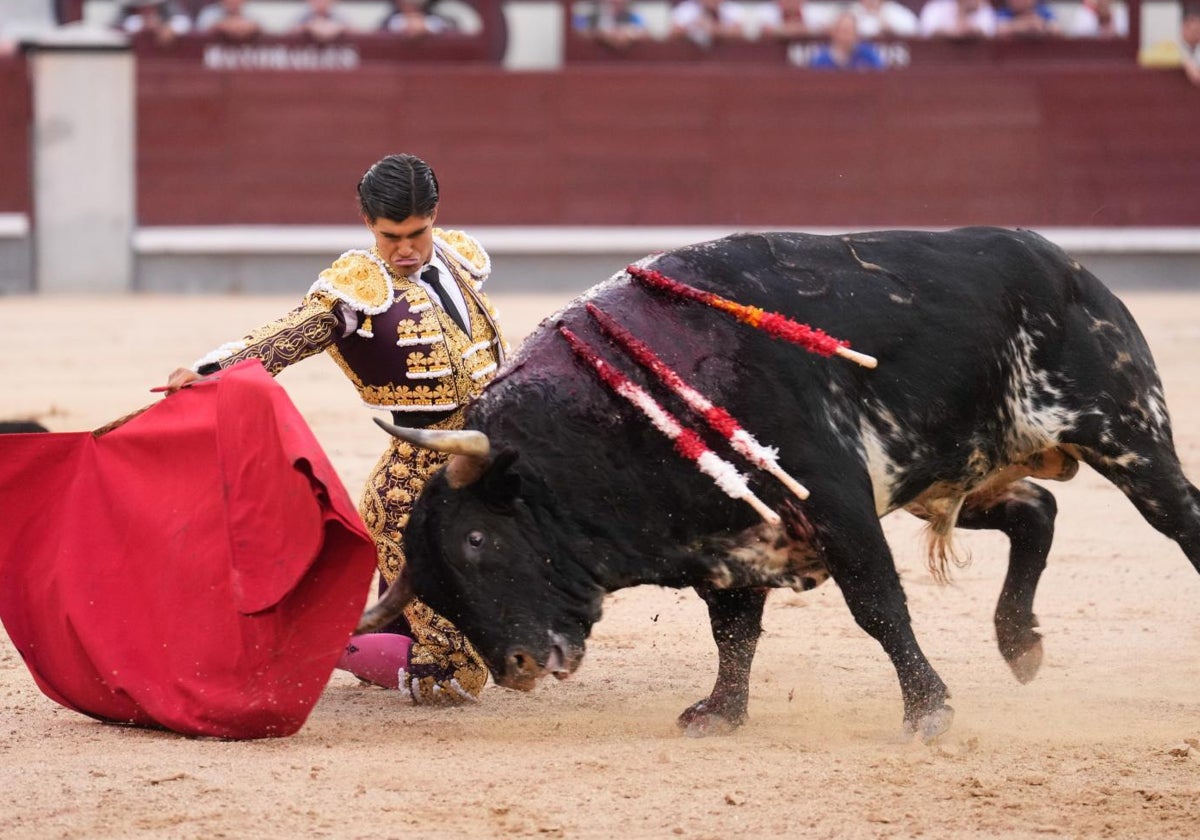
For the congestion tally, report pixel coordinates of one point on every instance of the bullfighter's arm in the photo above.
(305, 331)
(443, 667)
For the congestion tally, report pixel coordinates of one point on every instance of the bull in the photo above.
(1000, 360)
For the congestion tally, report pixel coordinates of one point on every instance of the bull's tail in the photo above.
(941, 550)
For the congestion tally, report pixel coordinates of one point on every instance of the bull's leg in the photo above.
(736, 616)
(861, 563)
(1148, 472)
(1025, 514)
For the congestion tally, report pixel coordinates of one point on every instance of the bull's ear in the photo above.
(501, 484)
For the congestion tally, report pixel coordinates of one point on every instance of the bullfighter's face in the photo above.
(404, 245)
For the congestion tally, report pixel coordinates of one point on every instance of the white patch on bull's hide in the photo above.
(870, 442)
(1158, 405)
(1037, 416)
(1156, 408)
(1125, 461)
(881, 468)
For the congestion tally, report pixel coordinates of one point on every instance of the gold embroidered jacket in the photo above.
(404, 352)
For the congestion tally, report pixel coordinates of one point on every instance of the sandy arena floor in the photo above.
(1105, 743)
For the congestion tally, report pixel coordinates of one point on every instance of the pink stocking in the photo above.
(376, 657)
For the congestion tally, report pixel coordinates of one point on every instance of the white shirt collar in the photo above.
(456, 294)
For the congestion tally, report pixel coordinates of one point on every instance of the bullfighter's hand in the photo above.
(179, 378)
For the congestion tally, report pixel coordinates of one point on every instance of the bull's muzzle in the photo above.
(522, 668)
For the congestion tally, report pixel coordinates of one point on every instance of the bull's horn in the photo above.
(388, 608)
(451, 441)
(464, 470)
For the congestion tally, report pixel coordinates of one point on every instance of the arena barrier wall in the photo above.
(1066, 146)
(286, 260)
(620, 146)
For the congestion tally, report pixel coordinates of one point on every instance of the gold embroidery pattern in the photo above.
(465, 250)
(437, 395)
(306, 330)
(434, 363)
(360, 279)
(414, 295)
(482, 361)
(450, 379)
(441, 657)
(424, 331)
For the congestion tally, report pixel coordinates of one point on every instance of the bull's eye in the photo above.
(475, 539)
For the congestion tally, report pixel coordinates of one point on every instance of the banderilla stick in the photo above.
(778, 326)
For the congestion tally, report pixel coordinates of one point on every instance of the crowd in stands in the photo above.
(704, 22)
(318, 20)
(1190, 42)
(849, 27)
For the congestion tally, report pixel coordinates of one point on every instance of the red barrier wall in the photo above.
(16, 114)
(1099, 144)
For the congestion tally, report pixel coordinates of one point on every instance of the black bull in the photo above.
(1000, 359)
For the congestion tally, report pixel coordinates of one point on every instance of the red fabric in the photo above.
(198, 568)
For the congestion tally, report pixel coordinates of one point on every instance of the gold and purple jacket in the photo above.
(401, 350)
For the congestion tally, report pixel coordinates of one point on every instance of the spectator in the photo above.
(958, 19)
(8, 46)
(1026, 19)
(1099, 19)
(415, 18)
(157, 19)
(846, 50)
(228, 19)
(792, 19)
(323, 22)
(612, 22)
(704, 21)
(884, 18)
(1190, 36)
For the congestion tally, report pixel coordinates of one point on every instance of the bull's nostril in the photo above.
(521, 662)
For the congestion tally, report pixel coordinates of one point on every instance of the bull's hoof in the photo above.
(705, 719)
(708, 726)
(931, 725)
(1021, 648)
(1025, 664)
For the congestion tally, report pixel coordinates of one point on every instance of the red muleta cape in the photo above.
(198, 568)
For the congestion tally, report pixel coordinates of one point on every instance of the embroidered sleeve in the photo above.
(443, 667)
(306, 330)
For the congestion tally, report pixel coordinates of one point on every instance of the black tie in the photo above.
(433, 277)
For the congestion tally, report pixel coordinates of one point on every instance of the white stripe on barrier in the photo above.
(313, 239)
(14, 226)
